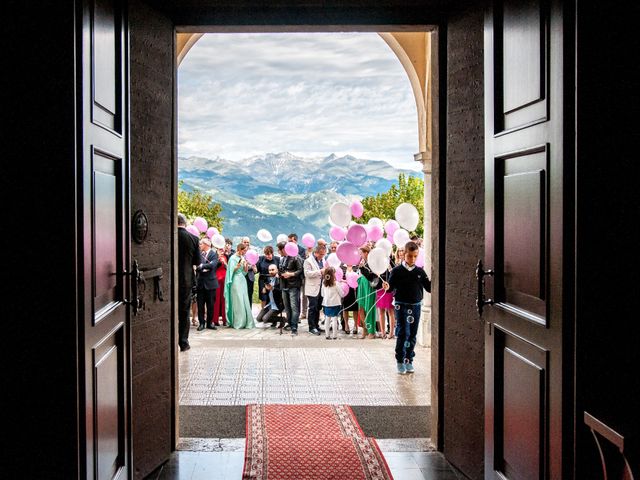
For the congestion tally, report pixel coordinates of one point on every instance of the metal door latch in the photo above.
(156, 274)
(480, 300)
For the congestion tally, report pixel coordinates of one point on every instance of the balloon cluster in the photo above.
(353, 235)
(200, 226)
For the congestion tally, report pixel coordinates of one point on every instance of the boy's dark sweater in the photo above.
(408, 284)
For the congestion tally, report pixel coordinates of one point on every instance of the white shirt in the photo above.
(331, 296)
(404, 264)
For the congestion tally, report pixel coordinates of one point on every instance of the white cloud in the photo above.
(311, 94)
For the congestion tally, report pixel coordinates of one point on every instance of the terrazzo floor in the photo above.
(237, 367)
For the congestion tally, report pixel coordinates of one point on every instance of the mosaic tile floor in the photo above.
(236, 367)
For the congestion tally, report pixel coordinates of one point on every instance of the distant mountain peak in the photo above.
(283, 192)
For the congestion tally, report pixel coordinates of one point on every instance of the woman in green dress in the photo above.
(366, 296)
(238, 308)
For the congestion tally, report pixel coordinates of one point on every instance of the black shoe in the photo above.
(294, 332)
(314, 331)
(185, 348)
(200, 328)
(212, 327)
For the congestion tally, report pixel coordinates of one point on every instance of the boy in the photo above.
(408, 281)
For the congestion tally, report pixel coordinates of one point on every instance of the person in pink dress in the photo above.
(221, 273)
(384, 303)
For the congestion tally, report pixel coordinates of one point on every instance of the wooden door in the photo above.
(103, 251)
(528, 162)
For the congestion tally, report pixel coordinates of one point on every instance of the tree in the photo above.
(383, 205)
(199, 204)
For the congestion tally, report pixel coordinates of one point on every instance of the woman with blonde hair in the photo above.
(399, 257)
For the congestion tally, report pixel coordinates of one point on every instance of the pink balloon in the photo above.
(337, 233)
(352, 279)
(201, 224)
(357, 209)
(308, 240)
(251, 256)
(375, 233)
(194, 230)
(345, 289)
(390, 227)
(291, 249)
(356, 235)
(420, 258)
(339, 274)
(348, 253)
(211, 231)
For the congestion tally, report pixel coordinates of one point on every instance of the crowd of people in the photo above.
(217, 284)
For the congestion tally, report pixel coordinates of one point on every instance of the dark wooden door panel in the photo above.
(105, 240)
(107, 231)
(521, 39)
(109, 371)
(521, 407)
(106, 65)
(525, 224)
(521, 232)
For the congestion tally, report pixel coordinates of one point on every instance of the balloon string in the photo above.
(357, 300)
(377, 299)
(370, 309)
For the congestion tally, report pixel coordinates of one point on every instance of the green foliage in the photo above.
(383, 205)
(199, 204)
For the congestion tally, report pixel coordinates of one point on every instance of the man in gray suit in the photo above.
(313, 273)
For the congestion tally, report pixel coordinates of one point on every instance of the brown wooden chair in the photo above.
(611, 446)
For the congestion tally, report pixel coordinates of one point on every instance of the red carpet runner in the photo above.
(309, 442)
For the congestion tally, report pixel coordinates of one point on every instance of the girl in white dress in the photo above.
(332, 293)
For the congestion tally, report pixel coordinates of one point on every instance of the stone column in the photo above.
(424, 330)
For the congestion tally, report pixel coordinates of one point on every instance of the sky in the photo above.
(311, 94)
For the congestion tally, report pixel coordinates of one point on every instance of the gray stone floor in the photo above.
(414, 461)
(236, 367)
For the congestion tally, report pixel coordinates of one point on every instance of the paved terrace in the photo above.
(236, 367)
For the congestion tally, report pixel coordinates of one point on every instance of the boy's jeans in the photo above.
(406, 330)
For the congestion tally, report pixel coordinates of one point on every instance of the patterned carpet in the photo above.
(312, 442)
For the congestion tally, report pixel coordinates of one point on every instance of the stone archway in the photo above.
(417, 53)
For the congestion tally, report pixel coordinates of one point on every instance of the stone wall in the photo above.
(463, 370)
(152, 191)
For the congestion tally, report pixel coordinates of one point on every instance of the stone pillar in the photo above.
(424, 330)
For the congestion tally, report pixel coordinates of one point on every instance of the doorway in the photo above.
(225, 370)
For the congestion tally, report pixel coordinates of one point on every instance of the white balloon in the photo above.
(264, 235)
(385, 244)
(407, 216)
(340, 214)
(378, 260)
(282, 238)
(375, 221)
(217, 241)
(333, 260)
(401, 237)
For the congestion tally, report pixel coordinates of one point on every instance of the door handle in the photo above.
(136, 277)
(480, 300)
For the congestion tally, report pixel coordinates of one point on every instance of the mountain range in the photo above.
(284, 193)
